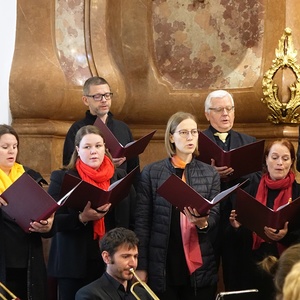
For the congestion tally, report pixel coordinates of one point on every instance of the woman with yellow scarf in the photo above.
(22, 266)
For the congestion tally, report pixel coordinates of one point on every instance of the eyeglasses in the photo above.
(185, 133)
(99, 97)
(221, 109)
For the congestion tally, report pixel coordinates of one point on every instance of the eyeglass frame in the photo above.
(105, 95)
(185, 133)
(221, 109)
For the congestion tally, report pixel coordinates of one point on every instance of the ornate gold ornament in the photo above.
(283, 111)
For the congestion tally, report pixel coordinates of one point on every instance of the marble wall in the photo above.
(159, 57)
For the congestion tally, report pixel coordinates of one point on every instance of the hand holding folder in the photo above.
(244, 160)
(28, 201)
(255, 215)
(80, 192)
(116, 150)
(181, 195)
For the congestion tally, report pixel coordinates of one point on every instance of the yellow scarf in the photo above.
(6, 180)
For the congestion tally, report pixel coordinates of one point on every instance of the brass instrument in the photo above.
(14, 297)
(143, 284)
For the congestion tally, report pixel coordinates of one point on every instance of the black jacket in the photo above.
(37, 279)
(153, 219)
(73, 245)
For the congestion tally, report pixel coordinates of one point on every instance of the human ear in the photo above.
(106, 257)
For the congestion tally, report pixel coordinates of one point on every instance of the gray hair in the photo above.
(216, 94)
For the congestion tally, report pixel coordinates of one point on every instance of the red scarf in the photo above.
(101, 179)
(189, 233)
(284, 196)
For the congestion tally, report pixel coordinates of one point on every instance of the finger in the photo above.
(44, 222)
(101, 211)
(3, 202)
(88, 205)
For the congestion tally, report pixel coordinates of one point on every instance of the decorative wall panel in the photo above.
(159, 57)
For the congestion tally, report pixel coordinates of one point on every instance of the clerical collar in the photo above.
(213, 130)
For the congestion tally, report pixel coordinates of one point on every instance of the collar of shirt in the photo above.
(124, 295)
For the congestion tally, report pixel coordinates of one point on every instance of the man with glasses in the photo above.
(219, 111)
(97, 96)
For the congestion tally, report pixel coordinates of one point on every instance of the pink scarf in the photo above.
(189, 233)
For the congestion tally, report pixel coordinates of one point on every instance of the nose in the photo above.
(224, 111)
(279, 161)
(93, 150)
(189, 136)
(133, 262)
(11, 150)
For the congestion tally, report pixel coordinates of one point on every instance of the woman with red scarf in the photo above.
(276, 187)
(75, 258)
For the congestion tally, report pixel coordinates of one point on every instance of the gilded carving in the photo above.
(286, 58)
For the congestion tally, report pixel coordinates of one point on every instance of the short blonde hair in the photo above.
(291, 287)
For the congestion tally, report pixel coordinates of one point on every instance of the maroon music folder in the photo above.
(244, 160)
(255, 216)
(80, 192)
(130, 150)
(181, 195)
(27, 202)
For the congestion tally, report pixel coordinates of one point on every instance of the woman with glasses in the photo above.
(172, 271)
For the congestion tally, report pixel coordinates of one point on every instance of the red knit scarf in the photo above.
(284, 196)
(99, 178)
(189, 233)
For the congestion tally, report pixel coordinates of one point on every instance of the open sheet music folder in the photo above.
(255, 215)
(244, 160)
(28, 201)
(181, 195)
(84, 191)
(130, 150)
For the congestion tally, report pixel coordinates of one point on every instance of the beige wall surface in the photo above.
(158, 56)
